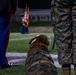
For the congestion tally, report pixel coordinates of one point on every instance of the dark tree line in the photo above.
(35, 4)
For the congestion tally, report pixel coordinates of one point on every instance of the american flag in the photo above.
(26, 16)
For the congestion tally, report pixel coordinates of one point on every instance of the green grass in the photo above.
(18, 45)
(16, 70)
(20, 42)
(20, 70)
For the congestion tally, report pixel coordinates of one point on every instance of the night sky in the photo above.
(35, 4)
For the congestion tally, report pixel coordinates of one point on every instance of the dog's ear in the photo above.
(44, 39)
(32, 40)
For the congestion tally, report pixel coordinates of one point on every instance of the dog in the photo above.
(39, 61)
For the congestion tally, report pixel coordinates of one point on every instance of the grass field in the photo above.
(20, 42)
(15, 70)
(18, 70)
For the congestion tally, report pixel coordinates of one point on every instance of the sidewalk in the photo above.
(19, 58)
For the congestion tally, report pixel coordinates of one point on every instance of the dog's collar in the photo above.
(38, 50)
(43, 48)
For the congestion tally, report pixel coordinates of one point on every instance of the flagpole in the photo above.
(26, 16)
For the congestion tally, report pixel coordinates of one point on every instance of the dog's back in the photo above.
(39, 62)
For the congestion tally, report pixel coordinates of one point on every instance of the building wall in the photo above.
(35, 15)
(40, 18)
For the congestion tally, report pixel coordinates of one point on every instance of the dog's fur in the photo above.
(39, 61)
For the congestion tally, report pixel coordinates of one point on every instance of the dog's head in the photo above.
(40, 41)
(41, 38)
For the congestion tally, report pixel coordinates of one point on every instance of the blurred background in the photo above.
(35, 4)
(40, 15)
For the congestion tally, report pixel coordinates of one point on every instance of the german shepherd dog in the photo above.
(39, 61)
